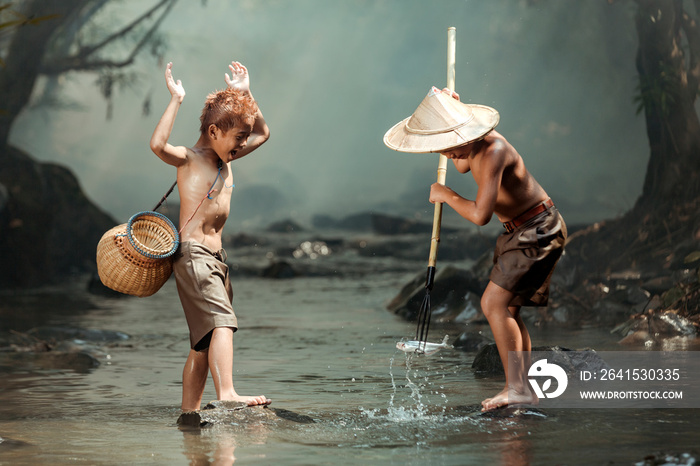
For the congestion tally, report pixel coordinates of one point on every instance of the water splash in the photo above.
(416, 408)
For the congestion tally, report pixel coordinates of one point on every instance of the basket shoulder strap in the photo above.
(165, 196)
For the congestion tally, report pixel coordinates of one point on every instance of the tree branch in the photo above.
(81, 61)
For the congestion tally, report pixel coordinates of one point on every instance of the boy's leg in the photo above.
(194, 377)
(510, 334)
(221, 366)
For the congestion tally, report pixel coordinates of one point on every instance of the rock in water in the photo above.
(487, 360)
(518, 411)
(231, 412)
(48, 227)
(450, 297)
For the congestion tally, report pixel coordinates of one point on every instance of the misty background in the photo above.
(332, 77)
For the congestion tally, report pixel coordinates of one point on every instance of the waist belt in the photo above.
(525, 216)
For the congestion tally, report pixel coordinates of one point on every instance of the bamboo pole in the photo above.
(442, 162)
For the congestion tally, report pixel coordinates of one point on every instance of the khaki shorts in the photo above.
(205, 291)
(524, 259)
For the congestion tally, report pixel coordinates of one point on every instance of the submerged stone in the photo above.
(232, 413)
(471, 341)
(517, 411)
(279, 269)
(514, 411)
(80, 362)
(75, 333)
(488, 362)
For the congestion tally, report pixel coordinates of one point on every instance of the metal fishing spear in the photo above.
(425, 312)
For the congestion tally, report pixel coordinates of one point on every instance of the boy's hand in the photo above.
(439, 193)
(239, 77)
(176, 89)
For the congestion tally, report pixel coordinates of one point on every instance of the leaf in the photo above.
(692, 257)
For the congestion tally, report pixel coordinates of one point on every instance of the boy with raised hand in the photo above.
(231, 126)
(527, 252)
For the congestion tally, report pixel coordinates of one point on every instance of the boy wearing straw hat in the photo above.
(231, 127)
(527, 252)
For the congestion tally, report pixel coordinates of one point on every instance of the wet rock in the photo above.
(279, 269)
(658, 285)
(523, 412)
(466, 244)
(567, 274)
(246, 240)
(389, 225)
(668, 458)
(453, 296)
(54, 334)
(653, 327)
(356, 222)
(487, 361)
(471, 341)
(458, 311)
(80, 362)
(399, 249)
(323, 222)
(499, 413)
(57, 348)
(48, 227)
(230, 412)
(285, 226)
(659, 323)
(608, 312)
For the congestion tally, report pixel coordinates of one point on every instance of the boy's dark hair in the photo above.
(225, 109)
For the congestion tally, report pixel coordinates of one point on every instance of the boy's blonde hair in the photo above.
(226, 109)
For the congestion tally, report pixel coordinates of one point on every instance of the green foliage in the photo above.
(657, 91)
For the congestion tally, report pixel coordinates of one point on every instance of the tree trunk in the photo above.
(25, 54)
(668, 92)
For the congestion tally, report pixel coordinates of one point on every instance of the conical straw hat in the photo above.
(441, 122)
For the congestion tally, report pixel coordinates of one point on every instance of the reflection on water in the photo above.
(319, 347)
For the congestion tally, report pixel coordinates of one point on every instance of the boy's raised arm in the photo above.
(172, 155)
(240, 80)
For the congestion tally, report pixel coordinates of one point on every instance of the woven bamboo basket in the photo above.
(135, 258)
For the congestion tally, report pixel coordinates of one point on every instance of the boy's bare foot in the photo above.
(509, 397)
(251, 400)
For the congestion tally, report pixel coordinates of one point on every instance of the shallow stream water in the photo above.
(322, 347)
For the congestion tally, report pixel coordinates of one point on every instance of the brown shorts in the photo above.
(524, 259)
(205, 291)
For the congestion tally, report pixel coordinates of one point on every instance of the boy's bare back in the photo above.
(505, 187)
